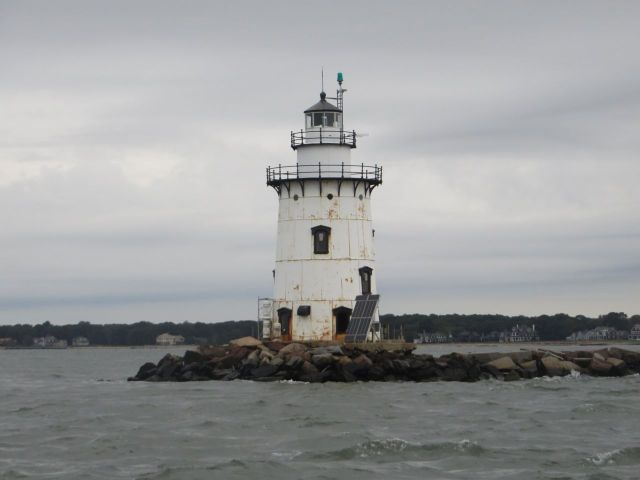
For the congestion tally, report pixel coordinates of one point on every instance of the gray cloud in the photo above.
(134, 137)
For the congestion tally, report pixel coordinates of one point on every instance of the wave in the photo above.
(391, 449)
(620, 456)
(12, 474)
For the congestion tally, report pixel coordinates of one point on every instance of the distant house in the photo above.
(490, 337)
(168, 339)
(520, 333)
(80, 342)
(635, 332)
(600, 334)
(437, 337)
(49, 341)
(7, 342)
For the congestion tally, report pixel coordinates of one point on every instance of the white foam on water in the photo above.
(604, 458)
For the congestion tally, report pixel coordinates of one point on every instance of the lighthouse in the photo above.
(325, 276)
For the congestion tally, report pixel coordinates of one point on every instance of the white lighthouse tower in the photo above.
(325, 277)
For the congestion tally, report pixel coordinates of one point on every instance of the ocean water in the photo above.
(71, 414)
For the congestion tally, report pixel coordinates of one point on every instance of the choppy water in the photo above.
(71, 414)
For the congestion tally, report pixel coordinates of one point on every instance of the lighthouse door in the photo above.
(284, 317)
(342, 315)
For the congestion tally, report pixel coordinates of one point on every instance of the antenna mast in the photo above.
(340, 92)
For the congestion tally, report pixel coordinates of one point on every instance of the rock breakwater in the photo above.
(250, 359)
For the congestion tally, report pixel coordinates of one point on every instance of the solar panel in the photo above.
(361, 318)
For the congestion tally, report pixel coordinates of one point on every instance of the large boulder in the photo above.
(212, 351)
(363, 362)
(275, 346)
(511, 376)
(554, 367)
(294, 363)
(616, 362)
(309, 369)
(582, 362)
(631, 358)
(245, 342)
(600, 367)
(296, 349)
(487, 356)
(322, 360)
(264, 371)
(276, 362)
(330, 349)
(252, 359)
(234, 357)
(191, 356)
(145, 371)
(503, 363)
(522, 356)
(169, 358)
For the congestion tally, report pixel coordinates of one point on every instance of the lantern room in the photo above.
(323, 115)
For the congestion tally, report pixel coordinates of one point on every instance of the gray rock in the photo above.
(245, 342)
(294, 363)
(309, 369)
(616, 362)
(277, 362)
(167, 370)
(582, 362)
(322, 360)
(511, 376)
(169, 358)
(293, 348)
(191, 356)
(600, 367)
(264, 371)
(557, 368)
(252, 360)
(503, 363)
(331, 349)
(523, 356)
(487, 357)
(145, 371)
(265, 355)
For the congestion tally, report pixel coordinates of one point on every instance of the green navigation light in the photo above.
(339, 76)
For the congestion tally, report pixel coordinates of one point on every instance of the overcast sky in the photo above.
(134, 138)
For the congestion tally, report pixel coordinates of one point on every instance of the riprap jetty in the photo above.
(250, 359)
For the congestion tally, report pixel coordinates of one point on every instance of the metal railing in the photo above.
(369, 173)
(323, 136)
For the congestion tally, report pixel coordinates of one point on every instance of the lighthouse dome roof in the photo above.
(322, 105)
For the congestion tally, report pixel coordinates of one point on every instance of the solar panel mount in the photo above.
(361, 318)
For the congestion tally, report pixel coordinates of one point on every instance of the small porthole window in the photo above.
(330, 196)
(320, 239)
(295, 197)
(360, 197)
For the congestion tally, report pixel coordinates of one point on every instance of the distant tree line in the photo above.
(549, 327)
(135, 334)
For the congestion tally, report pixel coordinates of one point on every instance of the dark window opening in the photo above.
(328, 119)
(365, 279)
(317, 119)
(284, 318)
(320, 239)
(343, 315)
(304, 310)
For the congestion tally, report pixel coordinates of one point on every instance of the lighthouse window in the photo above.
(365, 279)
(317, 119)
(328, 119)
(308, 120)
(320, 239)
